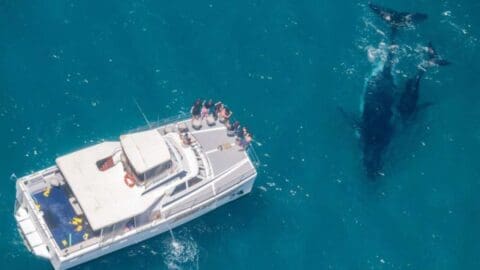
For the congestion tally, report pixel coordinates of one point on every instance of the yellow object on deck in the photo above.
(37, 206)
(85, 236)
(79, 228)
(46, 193)
(225, 146)
(76, 221)
(64, 243)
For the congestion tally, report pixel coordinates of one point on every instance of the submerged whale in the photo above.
(408, 105)
(376, 125)
(382, 103)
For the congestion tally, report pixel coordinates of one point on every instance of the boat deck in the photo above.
(67, 228)
(221, 150)
(224, 153)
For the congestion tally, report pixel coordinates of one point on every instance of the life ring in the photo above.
(129, 179)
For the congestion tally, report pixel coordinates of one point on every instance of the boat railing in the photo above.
(200, 201)
(252, 154)
(84, 244)
(185, 116)
(118, 231)
(37, 220)
(39, 179)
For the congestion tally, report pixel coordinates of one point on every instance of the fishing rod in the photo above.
(143, 114)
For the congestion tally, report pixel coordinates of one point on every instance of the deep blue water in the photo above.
(70, 70)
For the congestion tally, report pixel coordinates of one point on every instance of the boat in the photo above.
(114, 194)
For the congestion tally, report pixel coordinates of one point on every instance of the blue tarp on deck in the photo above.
(59, 214)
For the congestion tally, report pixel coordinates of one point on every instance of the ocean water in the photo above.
(70, 71)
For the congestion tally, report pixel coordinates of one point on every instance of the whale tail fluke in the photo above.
(398, 19)
(434, 58)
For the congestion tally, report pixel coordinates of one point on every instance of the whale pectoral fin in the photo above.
(376, 9)
(434, 58)
(415, 17)
(351, 119)
(384, 13)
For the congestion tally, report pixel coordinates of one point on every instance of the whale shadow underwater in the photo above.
(383, 106)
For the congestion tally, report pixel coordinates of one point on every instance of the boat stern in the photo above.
(35, 218)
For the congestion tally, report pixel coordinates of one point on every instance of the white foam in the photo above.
(180, 252)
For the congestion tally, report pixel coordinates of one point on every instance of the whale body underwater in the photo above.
(382, 103)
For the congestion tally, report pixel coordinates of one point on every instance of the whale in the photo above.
(376, 124)
(375, 127)
(396, 19)
(408, 105)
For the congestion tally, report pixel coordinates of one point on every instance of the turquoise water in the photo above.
(70, 70)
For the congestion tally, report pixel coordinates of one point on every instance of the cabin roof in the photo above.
(145, 150)
(104, 197)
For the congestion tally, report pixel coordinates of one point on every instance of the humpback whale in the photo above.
(376, 125)
(397, 19)
(407, 105)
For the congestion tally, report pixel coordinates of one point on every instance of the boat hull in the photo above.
(104, 248)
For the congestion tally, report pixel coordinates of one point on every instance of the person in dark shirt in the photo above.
(232, 128)
(196, 109)
(247, 140)
(241, 132)
(236, 126)
(209, 106)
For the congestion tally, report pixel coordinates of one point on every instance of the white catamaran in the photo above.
(117, 193)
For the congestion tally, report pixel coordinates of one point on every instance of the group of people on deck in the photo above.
(202, 109)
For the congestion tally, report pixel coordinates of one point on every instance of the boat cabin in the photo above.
(115, 181)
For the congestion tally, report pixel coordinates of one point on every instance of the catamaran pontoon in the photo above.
(117, 193)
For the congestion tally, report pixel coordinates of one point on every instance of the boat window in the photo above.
(107, 232)
(194, 181)
(130, 225)
(155, 171)
(179, 188)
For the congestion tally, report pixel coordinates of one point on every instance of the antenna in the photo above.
(143, 114)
